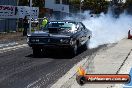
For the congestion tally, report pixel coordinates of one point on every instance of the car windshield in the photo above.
(68, 25)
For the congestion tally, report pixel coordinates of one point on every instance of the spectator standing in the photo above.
(44, 22)
(25, 25)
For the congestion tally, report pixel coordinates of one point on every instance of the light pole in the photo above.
(30, 16)
(17, 2)
(17, 18)
(80, 6)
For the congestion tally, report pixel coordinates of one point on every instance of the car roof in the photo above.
(65, 21)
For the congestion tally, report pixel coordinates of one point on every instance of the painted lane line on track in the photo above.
(30, 85)
(13, 48)
(125, 69)
(62, 80)
(41, 81)
(71, 73)
(8, 44)
(116, 55)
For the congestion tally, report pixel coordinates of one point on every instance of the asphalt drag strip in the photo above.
(19, 69)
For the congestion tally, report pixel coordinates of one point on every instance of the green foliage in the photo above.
(24, 2)
(75, 2)
(95, 6)
(38, 3)
(128, 2)
(74, 5)
(128, 6)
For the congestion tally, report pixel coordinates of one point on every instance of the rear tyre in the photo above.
(36, 52)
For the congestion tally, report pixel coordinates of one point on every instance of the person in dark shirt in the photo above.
(25, 25)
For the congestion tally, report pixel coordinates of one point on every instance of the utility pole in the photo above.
(80, 6)
(17, 19)
(80, 10)
(30, 16)
(17, 2)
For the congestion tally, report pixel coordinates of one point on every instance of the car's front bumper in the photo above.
(50, 46)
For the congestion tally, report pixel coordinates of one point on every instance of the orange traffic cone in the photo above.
(129, 35)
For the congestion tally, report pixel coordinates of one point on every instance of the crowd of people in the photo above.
(26, 24)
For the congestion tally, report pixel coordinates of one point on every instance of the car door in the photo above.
(84, 33)
(81, 34)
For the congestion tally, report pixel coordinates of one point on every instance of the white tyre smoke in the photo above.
(106, 29)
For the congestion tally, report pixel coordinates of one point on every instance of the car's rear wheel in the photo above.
(36, 52)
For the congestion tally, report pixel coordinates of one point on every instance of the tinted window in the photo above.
(60, 24)
(81, 26)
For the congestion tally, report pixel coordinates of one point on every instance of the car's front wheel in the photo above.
(86, 45)
(74, 50)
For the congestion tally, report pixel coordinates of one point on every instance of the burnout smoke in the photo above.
(107, 29)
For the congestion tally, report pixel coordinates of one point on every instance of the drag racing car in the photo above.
(69, 35)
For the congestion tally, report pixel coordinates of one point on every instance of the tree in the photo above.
(74, 5)
(128, 6)
(74, 2)
(96, 6)
(23, 2)
(38, 3)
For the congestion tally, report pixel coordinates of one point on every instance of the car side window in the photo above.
(78, 27)
(81, 26)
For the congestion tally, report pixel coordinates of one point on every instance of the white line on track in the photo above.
(12, 48)
(125, 70)
(8, 44)
(30, 85)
